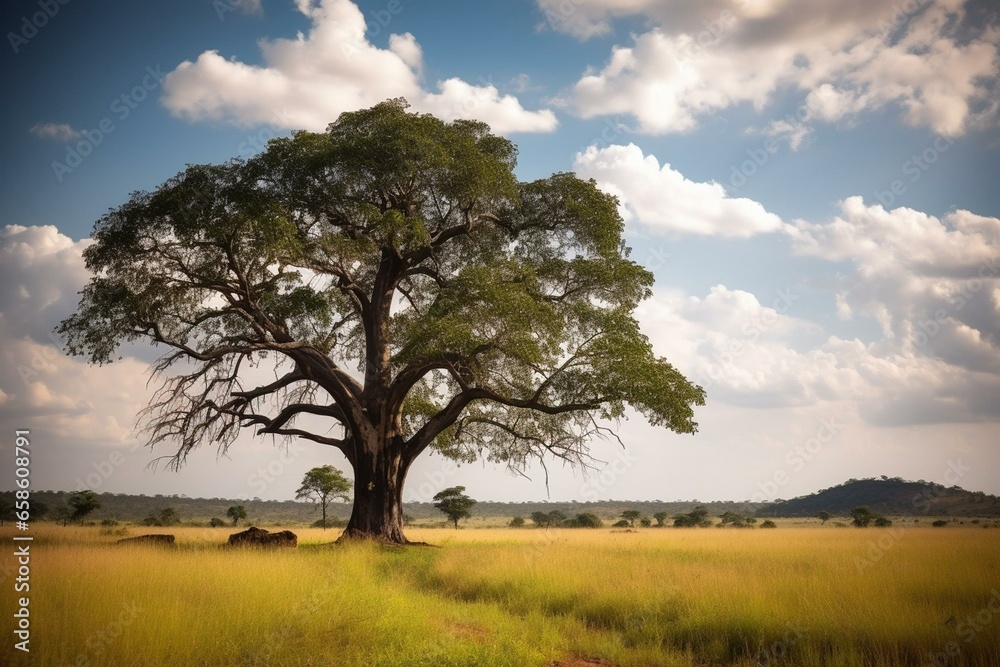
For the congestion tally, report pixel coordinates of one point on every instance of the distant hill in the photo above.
(890, 496)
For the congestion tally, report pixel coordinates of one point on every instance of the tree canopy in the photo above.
(453, 503)
(406, 290)
(322, 485)
(83, 503)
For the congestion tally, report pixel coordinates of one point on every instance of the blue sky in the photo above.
(813, 185)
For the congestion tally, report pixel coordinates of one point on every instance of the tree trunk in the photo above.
(378, 497)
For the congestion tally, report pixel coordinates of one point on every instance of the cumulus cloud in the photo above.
(306, 82)
(56, 131)
(929, 60)
(933, 284)
(662, 199)
(41, 271)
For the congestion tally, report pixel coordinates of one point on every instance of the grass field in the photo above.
(570, 598)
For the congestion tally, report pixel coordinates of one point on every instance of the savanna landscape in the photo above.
(369, 333)
(523, 597)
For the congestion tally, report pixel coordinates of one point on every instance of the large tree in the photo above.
(407, 290)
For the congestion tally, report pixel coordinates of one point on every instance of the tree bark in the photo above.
(379, 473)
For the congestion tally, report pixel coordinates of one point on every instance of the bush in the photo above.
(622, 524)
(769, 524)
(517, 522)
(108, 523)
(586, 520)
(939, 523)
(736, 520)
(698, 517)
(216, 522)
(882, 522)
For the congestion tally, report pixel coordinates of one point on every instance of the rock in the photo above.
(162, 540)
(258, 537)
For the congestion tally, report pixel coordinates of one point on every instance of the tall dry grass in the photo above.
(804, 596)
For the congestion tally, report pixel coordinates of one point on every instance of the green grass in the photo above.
(515, 597)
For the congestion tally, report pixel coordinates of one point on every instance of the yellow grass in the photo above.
(790, 596)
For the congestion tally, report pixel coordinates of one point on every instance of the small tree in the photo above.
(631, 516)
(216, 522)
(862, 517)
(323, 484)
(882, 522)
(823, 517)
(238, 513)
(517, 522)
(62, 514)
(660, 517)
(83, 503)
(768, 524)
(169, 517)
(454, 504)
(541, 519)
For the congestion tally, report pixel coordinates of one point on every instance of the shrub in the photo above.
(622, 524)
(769, 524)
(939, 523)
(517, 522)
(882, 522)
(216, 522)
(696, 517)
(108, 523)
(587, 520)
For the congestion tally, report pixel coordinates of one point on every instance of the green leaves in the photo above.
(488, 317)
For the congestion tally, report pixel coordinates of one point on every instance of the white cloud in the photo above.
(248, 7)
(56, 131)
(932, 284)
(41, 271)
(308, 81)
(796, 133)
(848, 58)
(662, 199)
